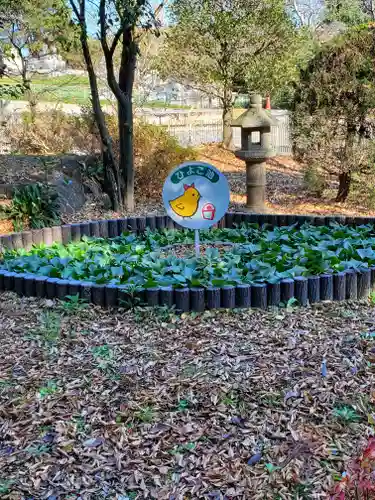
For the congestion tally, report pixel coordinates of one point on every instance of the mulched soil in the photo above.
(146, 404)
(285, 191)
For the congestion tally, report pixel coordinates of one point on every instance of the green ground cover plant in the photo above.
(35, 205)
(259, 254)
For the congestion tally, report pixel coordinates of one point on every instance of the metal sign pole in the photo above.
(197, 242)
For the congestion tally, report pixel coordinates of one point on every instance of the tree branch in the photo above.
(115, 41)
(103, 28)
(108, 56)
(263, 47)
(204, 90)
(298, 13)
(75, 10)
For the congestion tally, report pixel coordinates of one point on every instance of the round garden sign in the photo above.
(196, 195)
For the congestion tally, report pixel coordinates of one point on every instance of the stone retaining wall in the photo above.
(341, 286)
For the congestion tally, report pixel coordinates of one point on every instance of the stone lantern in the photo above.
(256, 147)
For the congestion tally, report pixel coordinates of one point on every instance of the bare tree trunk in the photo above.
(372, 9)
(111, 173)
(110, 168)
(125, 116)
(31, 98)
(344, 186)
(227, 120)
(26, 84)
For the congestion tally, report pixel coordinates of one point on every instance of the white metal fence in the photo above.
(195, 134)
(190, 128)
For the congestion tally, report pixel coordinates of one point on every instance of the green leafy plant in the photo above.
(183, 448)
(258, 255)
(5, 485)
(105, 357)
(302, 491)
(131, 495)
(130, 297)
(230, 400)
(102, 352)
(79, 423)
(48, 389)
(73, 304)
(34, 204)
(346, 414)
(145, 414)
(38, 449)
(48, 330)
(272, 468)
(183, 405)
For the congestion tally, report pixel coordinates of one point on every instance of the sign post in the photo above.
(196, 196)
(196, 240)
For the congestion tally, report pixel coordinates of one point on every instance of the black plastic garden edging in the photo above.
(350, 284)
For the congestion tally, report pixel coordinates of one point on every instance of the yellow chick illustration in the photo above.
(186, 205)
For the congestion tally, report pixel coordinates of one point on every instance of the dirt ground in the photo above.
(285, 190)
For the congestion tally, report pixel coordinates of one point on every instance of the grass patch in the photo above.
(74, 89)
(53, 80)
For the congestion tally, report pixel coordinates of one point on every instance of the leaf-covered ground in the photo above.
(285, 190)
(143, 404)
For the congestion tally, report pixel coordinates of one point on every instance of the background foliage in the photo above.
(155, 151)
(333, 106)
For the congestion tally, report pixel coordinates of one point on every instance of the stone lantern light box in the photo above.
(256, 147)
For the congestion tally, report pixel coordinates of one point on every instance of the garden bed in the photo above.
(266, 265)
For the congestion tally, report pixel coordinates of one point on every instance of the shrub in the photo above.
(332, 123)
(50, 133)
(314, 181)
(35, 205)
(156, 152)
(358, 482)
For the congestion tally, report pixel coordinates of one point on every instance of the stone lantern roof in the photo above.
(255, 117)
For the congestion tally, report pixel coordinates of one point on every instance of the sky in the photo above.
(92, 16)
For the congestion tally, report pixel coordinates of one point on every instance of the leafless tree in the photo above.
(306, 13)
(121, 24)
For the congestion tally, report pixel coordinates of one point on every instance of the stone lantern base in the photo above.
(256, 187)
(255, 182)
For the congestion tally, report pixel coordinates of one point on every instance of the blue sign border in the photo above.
(196, 195)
